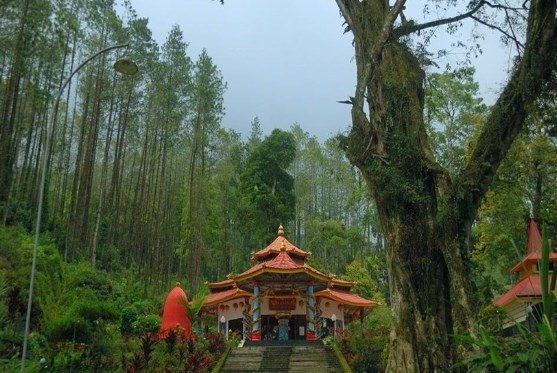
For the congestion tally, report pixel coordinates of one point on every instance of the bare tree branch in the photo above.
(514, 38)
(519, 45)
(410, 28)
(511, 109)
(499, 6)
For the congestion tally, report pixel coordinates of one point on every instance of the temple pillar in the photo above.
(310, 314)
(246, 313)
(256, 311)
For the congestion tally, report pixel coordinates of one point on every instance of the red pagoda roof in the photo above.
(527, 287)
(282, 263)
(275, 247)
(221, 284)
(223, 296)
(346, 297)
(343, 283)
(534, 252)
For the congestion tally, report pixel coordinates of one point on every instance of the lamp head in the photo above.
(126, 66)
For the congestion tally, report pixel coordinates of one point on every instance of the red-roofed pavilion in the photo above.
(283, 297)
(525, 296)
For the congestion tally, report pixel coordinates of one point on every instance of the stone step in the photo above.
(314, 358)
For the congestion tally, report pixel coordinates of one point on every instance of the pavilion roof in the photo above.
(221, 284)
(346, 297)
(282, 263)
(275, 247)
(343, 283)
(224, 296)
(528, 287)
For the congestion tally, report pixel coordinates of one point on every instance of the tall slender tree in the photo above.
(207, 110)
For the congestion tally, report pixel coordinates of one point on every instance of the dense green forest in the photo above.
(144, 187)
(140, 172)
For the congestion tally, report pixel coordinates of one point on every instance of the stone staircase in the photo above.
(311, 358)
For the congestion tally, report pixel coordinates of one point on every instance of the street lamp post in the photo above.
(127, 67)
(223, 324)
(334, 320)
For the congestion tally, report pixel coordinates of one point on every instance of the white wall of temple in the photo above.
(231, 310)
(329, 307)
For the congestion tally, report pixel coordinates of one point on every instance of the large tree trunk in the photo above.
(404, 186)
(425, 216)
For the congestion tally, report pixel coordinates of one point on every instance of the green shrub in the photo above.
(12, 241)
(127, 318)
(525, 352)
(366, 348)
(69, 328)
(10, 342)
(83, 276)
(93, 310)
(147, 324)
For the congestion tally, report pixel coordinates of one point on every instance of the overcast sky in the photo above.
(285, 61)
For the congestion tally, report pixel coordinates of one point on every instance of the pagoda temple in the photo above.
(282, 297)
(525, 297)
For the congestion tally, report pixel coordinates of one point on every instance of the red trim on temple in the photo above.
(527, 287)
(346, 297)
(255, 336)
(223, 296)
(221, 284)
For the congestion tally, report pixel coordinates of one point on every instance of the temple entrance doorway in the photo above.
(236, 326)
(269, 328)
(297, 326)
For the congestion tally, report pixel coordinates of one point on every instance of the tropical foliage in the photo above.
(145, 187)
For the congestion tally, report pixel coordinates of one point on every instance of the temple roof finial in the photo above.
(282, 246)
(281, 230)
(178, 284)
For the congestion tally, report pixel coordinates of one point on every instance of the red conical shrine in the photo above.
(175, 312)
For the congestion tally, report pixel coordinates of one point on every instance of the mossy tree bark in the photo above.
(425, 214)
